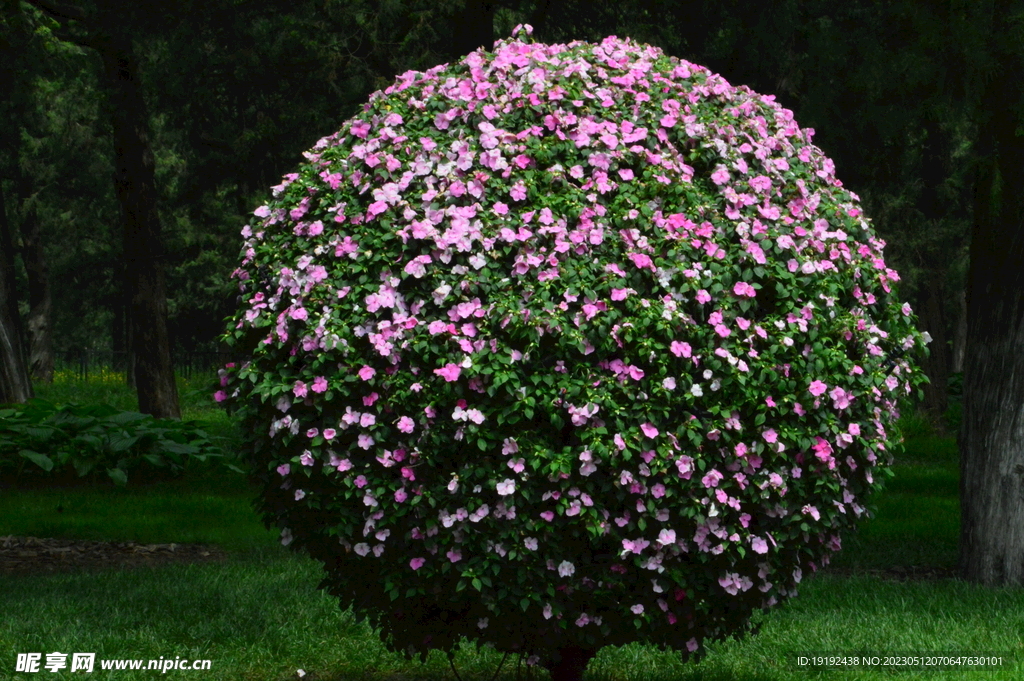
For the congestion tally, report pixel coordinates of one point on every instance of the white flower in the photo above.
(482, 623)
(669, 383)
(637, 609)
(696, 390)
(565, 568)
(530, 543)
(506, 487)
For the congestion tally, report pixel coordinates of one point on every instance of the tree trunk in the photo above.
(474, 27)
(960, 339)
(571, 664)
(40, 330)
(936, 365)
(15, 385)
(992, 436)
(144, 275)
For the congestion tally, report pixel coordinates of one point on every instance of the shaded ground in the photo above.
(32, 555)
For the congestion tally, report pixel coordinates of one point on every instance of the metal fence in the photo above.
(94, 362)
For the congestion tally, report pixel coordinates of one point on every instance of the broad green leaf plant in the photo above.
(566, 345)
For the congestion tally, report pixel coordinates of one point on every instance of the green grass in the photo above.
(259, 616)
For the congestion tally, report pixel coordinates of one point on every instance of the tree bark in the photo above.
(15, 385)
(40, 329)
(144, 274)
(571, 664)
(992, 436)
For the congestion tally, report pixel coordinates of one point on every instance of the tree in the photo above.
(363, 419)
(15, 385)
(992, 436)
(103, 30)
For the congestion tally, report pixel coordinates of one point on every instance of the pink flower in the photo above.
(680, 349)
(642, 260)
(770, 435)
(319, 384)
(220, 396)
(720, 176)
(299, 389)
(634, 546)
(759, 545)
(840, 398)
(703, 296)
(500, 208)
(367, 372)
(711, 479)
(329, 433)
(284, 469)
(406, 424)
(450, 372)
(454, 556)
(817, 388)
(401, 495)
(417, 563)
(626, 174)
(742, 288)
(649, 430)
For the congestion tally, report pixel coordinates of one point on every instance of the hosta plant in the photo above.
(565, 346)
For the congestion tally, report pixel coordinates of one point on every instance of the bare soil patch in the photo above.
(34, 555)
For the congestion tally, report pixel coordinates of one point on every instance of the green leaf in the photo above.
(41, 460)
(524, 604)
(83, 468)
(118, 476)
(122, 443)
(176, 448)
(477, 584)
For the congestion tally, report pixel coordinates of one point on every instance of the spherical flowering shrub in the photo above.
(565, 346)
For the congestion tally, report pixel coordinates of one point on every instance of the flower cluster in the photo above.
(566, 344)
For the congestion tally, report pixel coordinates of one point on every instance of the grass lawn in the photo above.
(259, 616)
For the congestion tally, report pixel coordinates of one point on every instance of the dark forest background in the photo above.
(137, 137)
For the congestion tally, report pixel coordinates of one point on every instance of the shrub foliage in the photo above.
(42, 441)
(566, 345)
